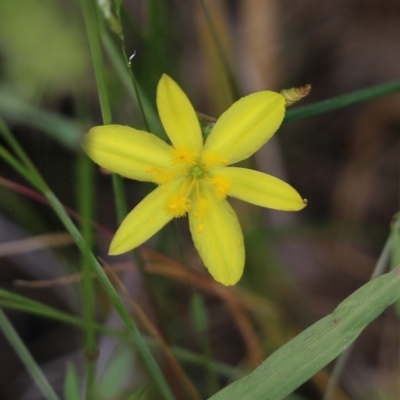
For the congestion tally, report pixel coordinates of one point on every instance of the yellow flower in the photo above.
(193, 177)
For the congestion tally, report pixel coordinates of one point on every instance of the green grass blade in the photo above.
(86, 200)
(71, 384)
(26, 358)
(121, 70)
(19, 167)
(335, 103)
(299, 359)
(90, 16)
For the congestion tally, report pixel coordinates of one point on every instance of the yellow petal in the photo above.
(178, 116)
(261, 189)
(147, 218)
(218, 237)
(127, 151)
(245, 126)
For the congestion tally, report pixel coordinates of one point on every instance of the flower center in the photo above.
(195, 174)
(198, 171)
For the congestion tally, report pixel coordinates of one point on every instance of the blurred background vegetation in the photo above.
(299, 266)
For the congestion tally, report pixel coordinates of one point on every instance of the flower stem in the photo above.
(335, 103)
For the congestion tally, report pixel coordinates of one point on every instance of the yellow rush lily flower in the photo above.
(195, 177)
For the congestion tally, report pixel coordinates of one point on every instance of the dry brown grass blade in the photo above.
(65, 280)
(159, 264)
(39, 242)
(152, 330)
(215, 72)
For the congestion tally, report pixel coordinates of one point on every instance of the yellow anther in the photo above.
(184, 156)
(177, 205)
(213, 159)
(222, 187)
(200, 228)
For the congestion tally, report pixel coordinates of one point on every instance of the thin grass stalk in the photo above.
(21, 169)
(119, 64)
(335, 103)
(224, 59)
(114, 298)
(86, 195)
(120, 198)
(27, 360)
(121, 207)
(90, 13)
(18, 150)
(128, 66)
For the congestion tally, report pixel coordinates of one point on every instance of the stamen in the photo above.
(222, 187)
(177, 205)
(159, 176)
(200, 228)
(183, 156)
(213, 159)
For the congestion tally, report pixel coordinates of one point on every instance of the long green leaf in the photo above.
(300, 358)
